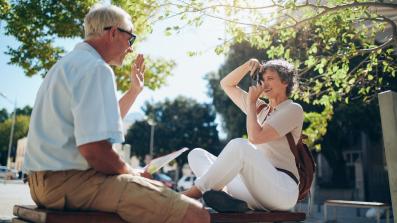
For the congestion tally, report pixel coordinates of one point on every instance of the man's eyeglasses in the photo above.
(132, 36)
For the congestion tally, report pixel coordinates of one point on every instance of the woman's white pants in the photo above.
(247, 174)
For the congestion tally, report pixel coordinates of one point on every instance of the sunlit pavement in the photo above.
(16, 192)
(343, 215)
(12, 192)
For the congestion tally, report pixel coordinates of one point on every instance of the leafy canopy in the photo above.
(37, 24)
(336, 45)
(20, 130)
(329, 36)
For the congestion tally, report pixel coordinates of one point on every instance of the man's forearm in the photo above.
(126, 101)
(111, 164)
(103, 158)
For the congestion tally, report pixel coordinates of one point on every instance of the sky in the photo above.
(187, 78)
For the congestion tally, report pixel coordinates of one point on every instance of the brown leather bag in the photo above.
(304, 161)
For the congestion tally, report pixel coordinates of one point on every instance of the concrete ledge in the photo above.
(357, 204)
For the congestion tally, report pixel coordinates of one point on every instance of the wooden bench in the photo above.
(358, 204)
(32, 214)
(258, 216)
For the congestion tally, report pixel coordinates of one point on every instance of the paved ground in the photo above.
(12, 192)
(343, 215)
(15, 192)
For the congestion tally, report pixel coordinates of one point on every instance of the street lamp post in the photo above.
(11, 136)
(152, 124)
(12, 129)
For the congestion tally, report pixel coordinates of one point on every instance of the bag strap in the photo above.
(290, 138)
(292, 145)
(260, 108)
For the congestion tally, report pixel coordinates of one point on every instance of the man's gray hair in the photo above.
(285, 71)
(101, 16)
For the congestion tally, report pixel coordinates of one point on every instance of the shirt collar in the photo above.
(282, 104)
(87, 47)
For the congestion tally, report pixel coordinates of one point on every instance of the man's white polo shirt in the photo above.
(76, 104)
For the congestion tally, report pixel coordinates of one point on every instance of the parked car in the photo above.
(7, 173)
(185, 182)
(165, 179)
(3, 171)
(13, 174)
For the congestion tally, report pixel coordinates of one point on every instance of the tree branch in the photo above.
(358, 66)
(394, 29)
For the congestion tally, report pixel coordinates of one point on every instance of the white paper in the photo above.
(159, 162)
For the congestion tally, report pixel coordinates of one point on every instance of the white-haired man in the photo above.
(75, 120)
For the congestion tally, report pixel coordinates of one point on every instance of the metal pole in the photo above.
(151, 139)
(11, 136)
(152, 123)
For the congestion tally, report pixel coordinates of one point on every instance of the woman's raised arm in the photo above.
(229, 83)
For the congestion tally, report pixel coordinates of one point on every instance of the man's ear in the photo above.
(113, 32)
(110, 34)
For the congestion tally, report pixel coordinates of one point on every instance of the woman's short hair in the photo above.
(101, 16)
(285, 71)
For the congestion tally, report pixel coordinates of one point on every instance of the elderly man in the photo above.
(75, 120)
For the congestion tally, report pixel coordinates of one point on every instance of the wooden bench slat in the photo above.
(258, 216)
(18, 220)
(34, 214)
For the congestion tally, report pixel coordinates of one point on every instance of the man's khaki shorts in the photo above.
(134, 198)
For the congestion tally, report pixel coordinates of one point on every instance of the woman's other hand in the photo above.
(253, 65)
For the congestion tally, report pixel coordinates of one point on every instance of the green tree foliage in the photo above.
(339, 57)
(4, 7)
(333, 44)
(20, 130)
(36, 24)
(27, 110)
(3, 115)
(179, 123)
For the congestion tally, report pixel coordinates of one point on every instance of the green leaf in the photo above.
(191, 53)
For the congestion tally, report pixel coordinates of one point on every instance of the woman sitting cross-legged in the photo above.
(258, 172)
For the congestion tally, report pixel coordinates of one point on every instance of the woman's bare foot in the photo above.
(193, 192)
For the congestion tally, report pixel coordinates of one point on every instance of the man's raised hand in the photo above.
(137, 73)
